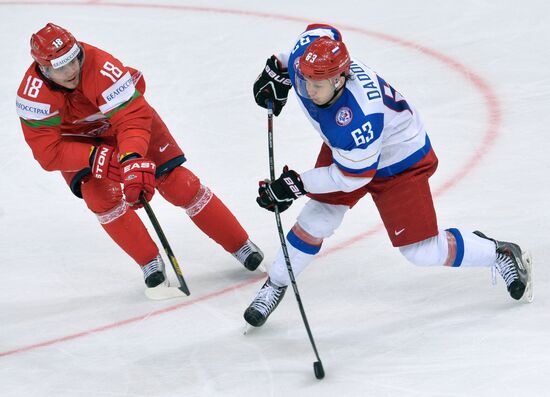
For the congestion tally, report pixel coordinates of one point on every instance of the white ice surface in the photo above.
(73, 317)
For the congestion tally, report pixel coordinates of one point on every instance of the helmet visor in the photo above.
(300, 83)
(318, 91)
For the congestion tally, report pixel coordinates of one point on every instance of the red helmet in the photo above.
(53, 46)
(324, 58)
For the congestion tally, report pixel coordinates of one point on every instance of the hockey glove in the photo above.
(281, 192)
(104, 163)
(138, 175)
(272, 84)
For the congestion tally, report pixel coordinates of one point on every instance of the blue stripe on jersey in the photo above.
(361, 131)
(301, 245)
(356, 171)
(408, 162)
(459, 247)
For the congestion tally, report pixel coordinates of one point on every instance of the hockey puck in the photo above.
(318, 369)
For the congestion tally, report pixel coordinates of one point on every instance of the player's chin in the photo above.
(71, 84)
(319, 102)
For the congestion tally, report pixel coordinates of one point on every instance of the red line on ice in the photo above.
(493, 125)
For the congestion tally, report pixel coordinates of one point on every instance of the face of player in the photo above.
(321, 92)
(67, 76)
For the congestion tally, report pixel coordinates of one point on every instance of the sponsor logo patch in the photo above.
(30, 110)
(118, 93)
(66, 58)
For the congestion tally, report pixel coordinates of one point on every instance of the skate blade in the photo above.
(249, 329)
(529, 294)
(163, 292)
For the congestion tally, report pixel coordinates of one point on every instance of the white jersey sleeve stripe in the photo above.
(31, 110)
(331, 179)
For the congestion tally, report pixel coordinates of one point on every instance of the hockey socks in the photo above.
(182, 187)
(126, 229)
(302, 248)
(453, 248)
(211, 216)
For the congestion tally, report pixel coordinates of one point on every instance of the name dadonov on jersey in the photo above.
(368, 84)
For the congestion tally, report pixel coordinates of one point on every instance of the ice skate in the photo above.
(154, 274)
(158, 286)
(249, 255)
(264, 304)
(515, 267)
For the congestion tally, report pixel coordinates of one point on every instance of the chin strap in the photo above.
(44, 71)
(330, 101)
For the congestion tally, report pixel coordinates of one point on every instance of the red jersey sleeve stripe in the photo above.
(365, 174)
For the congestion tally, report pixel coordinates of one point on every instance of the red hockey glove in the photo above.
(138, 175)
(281, 192)
(104, 163)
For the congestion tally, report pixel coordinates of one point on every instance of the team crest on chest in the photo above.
(344, 116)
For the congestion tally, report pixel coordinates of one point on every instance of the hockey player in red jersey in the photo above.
(83, 112)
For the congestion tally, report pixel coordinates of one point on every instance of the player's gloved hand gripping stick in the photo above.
(280, 192)
(273, 85)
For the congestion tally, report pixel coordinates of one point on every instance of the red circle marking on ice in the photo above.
(491, 132)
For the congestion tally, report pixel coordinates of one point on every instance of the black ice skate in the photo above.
(249, 255)
(515, 267)
(153, 273)
(264, 304)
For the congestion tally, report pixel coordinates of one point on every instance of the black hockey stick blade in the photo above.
(318, 369)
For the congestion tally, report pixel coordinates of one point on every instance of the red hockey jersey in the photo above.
(107, 105)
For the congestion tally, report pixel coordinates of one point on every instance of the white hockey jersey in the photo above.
(371, 129)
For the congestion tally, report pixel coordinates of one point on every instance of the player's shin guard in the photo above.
(451, 248)
(211, 216)
(302, 248)
(182, 187)
(126, 229)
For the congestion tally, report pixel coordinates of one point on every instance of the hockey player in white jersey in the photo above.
(374, 142)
